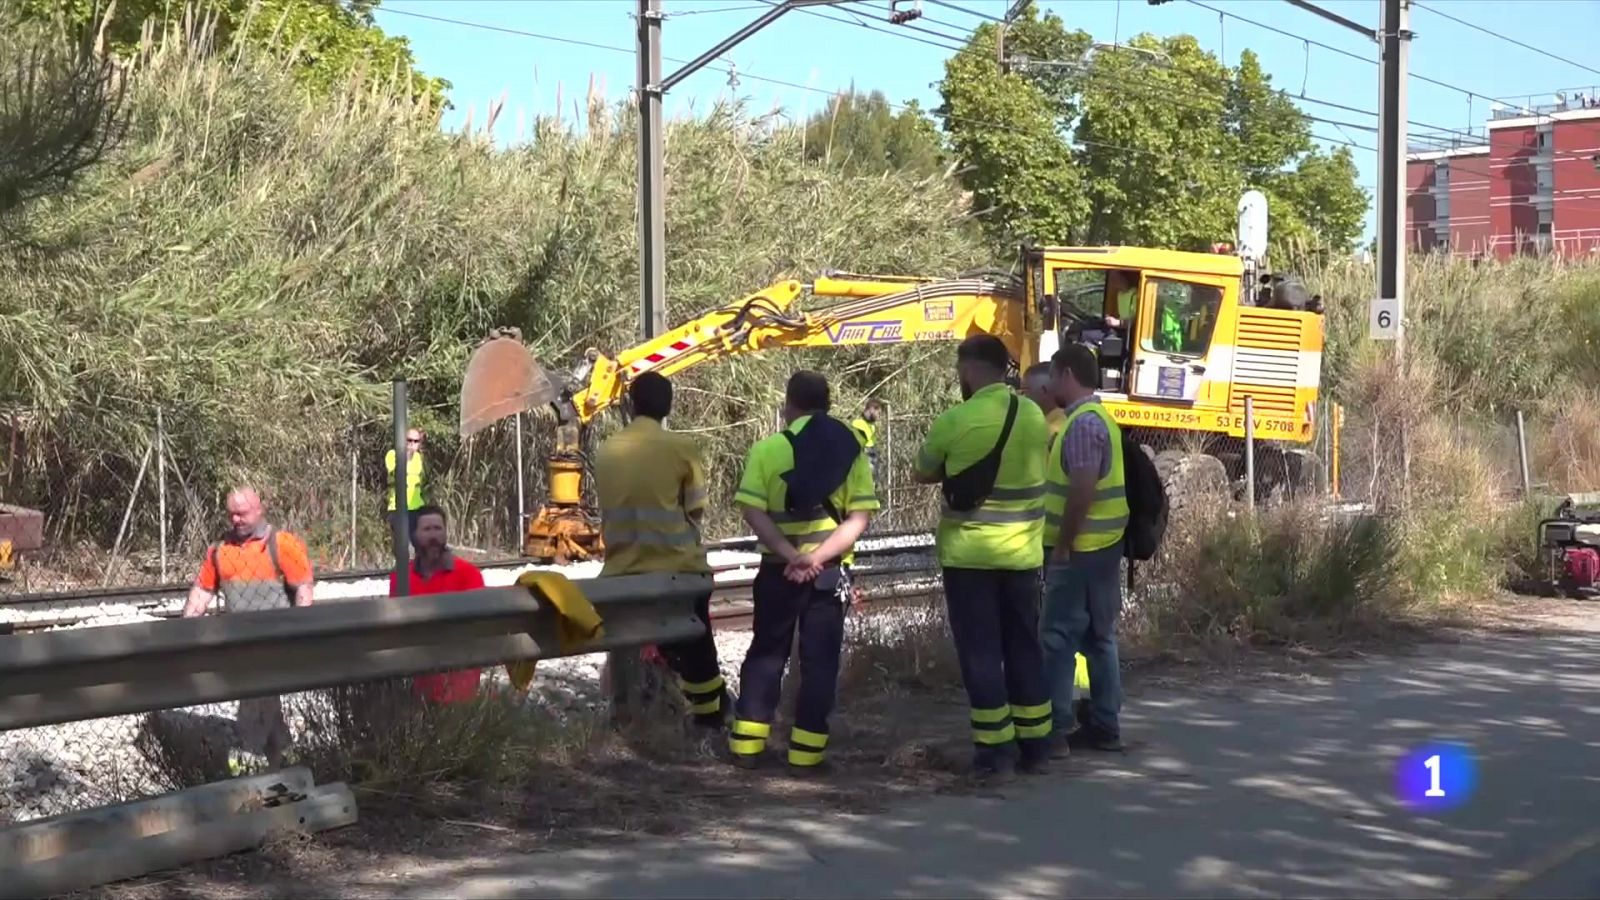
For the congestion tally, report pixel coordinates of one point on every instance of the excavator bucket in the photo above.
(502, 379)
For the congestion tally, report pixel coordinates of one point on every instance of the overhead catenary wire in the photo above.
(1371, 61)
(1510, 40)
(998, 126)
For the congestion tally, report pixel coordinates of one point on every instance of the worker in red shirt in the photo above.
(437, 570)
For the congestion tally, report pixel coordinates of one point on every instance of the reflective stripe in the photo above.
(1115, 492)
(748, 738)
(615, 536)
(990, 737)
(1032, 721)
(747, 728)
(811, 537)
(862, 498)
(1033, 732)
(806, 747)
(701, 687)
(1107, 517)
(705, 697)
(1032, 492)
(631, 514)
(994, 516)
(991, 716)
(798, 757)
(1031, 712)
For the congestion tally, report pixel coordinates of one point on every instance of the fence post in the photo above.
(1522, 454)
(161, 489)
(355, 499)
(401, 524)
(522, 503)
(1250, 453)
(1333, 453)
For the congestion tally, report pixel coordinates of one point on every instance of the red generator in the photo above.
(1570, 544)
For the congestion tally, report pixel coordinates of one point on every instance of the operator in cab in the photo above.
(652, 491)
(987, 453)
(1122, 289)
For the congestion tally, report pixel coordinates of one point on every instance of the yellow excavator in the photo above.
(1183, 339)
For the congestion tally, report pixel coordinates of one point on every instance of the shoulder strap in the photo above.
(216, 564)
(1005, 430)
(272, 552)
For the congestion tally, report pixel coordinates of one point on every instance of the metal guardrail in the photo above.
(65, 676)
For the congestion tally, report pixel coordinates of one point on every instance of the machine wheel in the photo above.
(1192, 478)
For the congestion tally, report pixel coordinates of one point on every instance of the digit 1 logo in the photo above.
(1435, 777)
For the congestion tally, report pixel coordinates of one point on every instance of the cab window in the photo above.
(1185, 316)
(1080, 290)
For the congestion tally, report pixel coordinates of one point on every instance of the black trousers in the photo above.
(695, 663)
(994, 619)
(781, 606)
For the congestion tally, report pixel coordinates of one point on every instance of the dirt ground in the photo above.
(893, 738)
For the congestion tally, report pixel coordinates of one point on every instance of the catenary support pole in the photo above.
(652, 172)
(652, 89)
(400, 526)
(1396, 39)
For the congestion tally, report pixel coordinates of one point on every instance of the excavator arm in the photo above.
(502, 378)
(867, 310)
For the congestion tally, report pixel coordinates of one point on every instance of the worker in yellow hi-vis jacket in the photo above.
(652, 491)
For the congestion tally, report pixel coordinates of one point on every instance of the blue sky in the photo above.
(822, 53)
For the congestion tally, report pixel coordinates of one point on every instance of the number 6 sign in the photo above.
(1383, 319)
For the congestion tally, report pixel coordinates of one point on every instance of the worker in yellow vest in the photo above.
(651, 485)
(1086, 507)
(414, 480)
(866, 428)
(1039, 385)
(986, 454)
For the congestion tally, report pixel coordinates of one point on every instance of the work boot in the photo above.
(1035, 754)
(1087, 738)
(993, 766)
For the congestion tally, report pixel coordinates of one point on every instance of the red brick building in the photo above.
(1533, 186)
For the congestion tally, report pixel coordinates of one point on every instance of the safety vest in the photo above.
(413, 480)
(761, 486)
(866, 431)
(1108, 514)
(1171, 330)
(648, 481)
(1126, 301)
(1003, 533)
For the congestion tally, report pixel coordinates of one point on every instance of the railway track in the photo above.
(879, 557)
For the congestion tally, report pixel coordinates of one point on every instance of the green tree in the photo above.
(860, 133)
(1149, 142)
(325, 40)
(60, 111)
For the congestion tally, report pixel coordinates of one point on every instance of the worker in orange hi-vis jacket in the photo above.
(255, 567)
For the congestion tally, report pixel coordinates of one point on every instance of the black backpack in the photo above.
(967, 489)
(1147, 502)
(818, 470)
